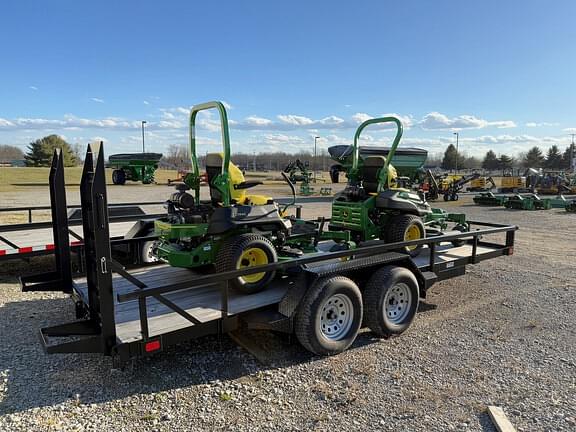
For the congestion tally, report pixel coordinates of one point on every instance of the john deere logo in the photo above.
(345, 214)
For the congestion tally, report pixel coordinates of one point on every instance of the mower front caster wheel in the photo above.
(247, 250)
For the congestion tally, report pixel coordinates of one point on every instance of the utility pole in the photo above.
(457, 135)
(572, 161)
(314, 164)
(143, 147)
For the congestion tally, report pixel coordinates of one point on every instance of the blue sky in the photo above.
(500, 73)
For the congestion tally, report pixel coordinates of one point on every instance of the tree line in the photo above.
(39, 153)
(554, 159)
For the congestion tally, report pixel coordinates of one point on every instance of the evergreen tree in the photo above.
(449, 160)
(505, 162)
(553, 158)
(490, 161)
(40, 151)
(534, 158)
(569, 153)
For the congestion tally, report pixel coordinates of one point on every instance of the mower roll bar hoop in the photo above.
(223, 181)
(356, 151)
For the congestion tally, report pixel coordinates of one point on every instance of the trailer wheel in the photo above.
(247, 250)
(391, 299)
(118, 177)
(329, 316)
(147, 254)
(406, 227)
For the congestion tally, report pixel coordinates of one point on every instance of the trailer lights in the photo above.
(152, 346)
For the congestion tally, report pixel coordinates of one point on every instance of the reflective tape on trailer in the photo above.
(30, 249)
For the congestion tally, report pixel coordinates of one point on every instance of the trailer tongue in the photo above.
(322, 297)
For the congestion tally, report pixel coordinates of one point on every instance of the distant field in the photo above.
(11, 178)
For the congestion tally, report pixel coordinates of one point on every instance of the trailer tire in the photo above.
(118, 177)
(246, 250)
(402, 228)
(318, 324)
(391, 299)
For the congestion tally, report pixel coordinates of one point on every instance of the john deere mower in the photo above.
(372, 206)
(232, 230)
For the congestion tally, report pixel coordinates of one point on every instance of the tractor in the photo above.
(373, 206)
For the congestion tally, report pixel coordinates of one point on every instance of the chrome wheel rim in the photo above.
(397, 303)
(336, 317)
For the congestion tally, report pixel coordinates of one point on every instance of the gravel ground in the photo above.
(503, 334)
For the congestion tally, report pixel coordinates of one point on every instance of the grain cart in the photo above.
(134, 167)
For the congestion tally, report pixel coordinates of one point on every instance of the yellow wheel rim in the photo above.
(412, 233)
(252, 257)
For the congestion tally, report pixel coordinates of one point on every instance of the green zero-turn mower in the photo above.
(372, 206)
(230, 231)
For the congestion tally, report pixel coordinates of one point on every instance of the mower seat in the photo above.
(370, 170)
(238, 183)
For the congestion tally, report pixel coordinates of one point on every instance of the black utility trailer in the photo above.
(131, 232)
(323, 297)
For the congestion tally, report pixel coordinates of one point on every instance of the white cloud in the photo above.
(227, 105)
(98, 100)
(295, 120)
(33, 88)
(570, 130)
(257, 121)
(541, 124)
(436, 120)
(146, 102)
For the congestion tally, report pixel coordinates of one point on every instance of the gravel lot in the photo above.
(503, 334)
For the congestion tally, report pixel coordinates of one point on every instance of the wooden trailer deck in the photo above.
(204, 303)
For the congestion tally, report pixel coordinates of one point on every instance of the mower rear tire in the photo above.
(247, 250)
(406, 227)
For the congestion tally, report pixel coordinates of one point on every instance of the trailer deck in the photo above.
(204, 303)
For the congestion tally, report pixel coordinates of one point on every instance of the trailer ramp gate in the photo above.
(127, 315)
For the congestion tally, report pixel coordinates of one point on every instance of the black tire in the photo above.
(118, 177)
(460, 228)
(390, 284)
(454, 197)
(446, 197)
(230, 254)
(315, 316)
(398, 228)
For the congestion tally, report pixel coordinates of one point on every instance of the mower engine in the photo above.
(182, 209)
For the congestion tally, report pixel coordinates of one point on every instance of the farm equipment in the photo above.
(408, 162)
(299, 171)
(571, 206)
(490, 200)
(233, 229)
(558, 202)
(482, 184)
(451, 193)
(528, 202)
(134, 167)
(372, 206)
